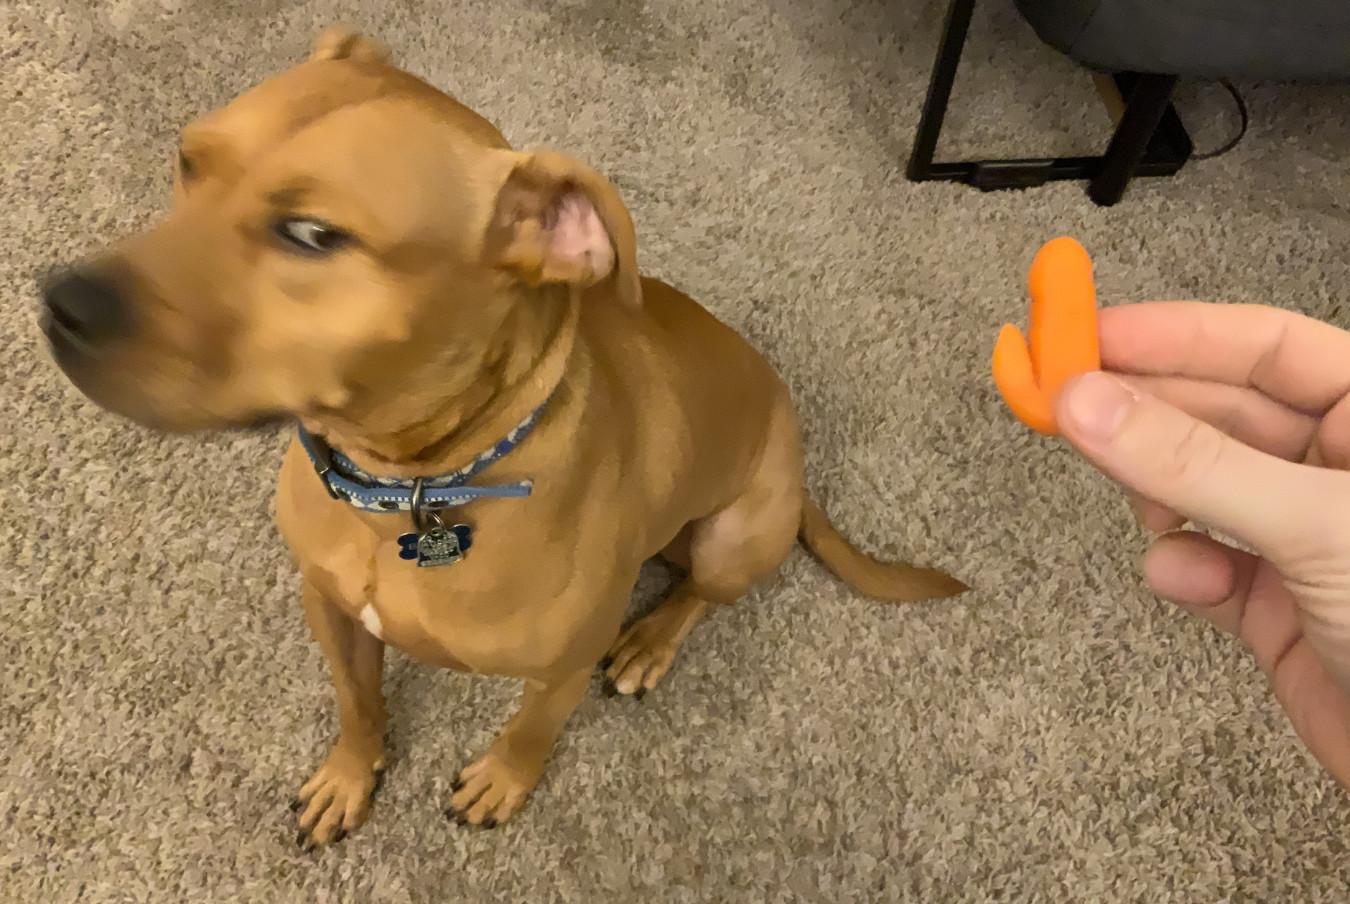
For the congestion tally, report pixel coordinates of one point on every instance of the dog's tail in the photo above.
(894, 582)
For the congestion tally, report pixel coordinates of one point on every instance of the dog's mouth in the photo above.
(93, 372)
(77, 360)
(265, 421)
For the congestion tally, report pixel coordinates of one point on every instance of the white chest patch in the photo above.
(371, 619)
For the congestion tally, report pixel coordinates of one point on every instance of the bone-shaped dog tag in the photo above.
(438, 546)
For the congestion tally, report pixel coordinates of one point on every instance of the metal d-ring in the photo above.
(423, 520)
(418, 494)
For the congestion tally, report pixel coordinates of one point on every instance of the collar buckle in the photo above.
(323, 463)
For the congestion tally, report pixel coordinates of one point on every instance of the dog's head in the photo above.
(340, 236)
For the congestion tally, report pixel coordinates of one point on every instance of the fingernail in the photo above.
(1097, 404)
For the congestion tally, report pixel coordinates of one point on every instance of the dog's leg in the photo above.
(492, 788)
(726, 554)
(337, 799)
(644, 652)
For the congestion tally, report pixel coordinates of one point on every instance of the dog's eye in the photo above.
(311, 236)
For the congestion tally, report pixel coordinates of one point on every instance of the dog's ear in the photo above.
(556, 220)
(342, 43)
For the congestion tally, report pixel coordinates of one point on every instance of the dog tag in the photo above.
(440, 545)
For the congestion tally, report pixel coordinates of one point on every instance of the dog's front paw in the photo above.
(337, 799)
(490, 790)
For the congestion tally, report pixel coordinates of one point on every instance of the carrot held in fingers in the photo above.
(1062, 336)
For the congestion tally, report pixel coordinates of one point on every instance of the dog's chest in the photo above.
(493, 611)
(482, 613)
(476, 614)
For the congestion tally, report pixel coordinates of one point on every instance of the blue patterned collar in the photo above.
(345, 480)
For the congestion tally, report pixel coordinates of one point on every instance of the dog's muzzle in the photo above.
(83, 313)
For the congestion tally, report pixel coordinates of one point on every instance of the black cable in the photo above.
(1242, 112)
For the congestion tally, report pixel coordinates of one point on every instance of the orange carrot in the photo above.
(1062, 333)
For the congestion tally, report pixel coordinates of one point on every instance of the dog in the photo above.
(499, 420)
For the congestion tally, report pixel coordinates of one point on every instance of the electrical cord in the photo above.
(1232, 143)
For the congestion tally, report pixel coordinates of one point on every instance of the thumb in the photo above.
(1292, 513)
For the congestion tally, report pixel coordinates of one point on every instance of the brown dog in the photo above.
(355, 249)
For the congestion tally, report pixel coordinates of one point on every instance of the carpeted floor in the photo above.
(1058, 735)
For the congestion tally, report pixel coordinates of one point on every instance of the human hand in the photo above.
(1238, 418)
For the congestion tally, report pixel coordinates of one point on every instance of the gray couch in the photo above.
(1145, 46)
(1250, 39)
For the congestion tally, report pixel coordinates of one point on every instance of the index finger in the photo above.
(1297, 360)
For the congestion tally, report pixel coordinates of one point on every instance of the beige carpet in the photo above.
(1057, 736)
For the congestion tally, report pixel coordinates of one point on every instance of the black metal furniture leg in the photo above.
(1150, 99)
(939, 89)
(1150, 139)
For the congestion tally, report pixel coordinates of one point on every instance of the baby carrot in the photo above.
(1062, 335)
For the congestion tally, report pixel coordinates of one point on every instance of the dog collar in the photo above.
(345, 480)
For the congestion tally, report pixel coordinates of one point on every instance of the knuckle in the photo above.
(1193, 457)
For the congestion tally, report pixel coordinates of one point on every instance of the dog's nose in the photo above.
(85, 309)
